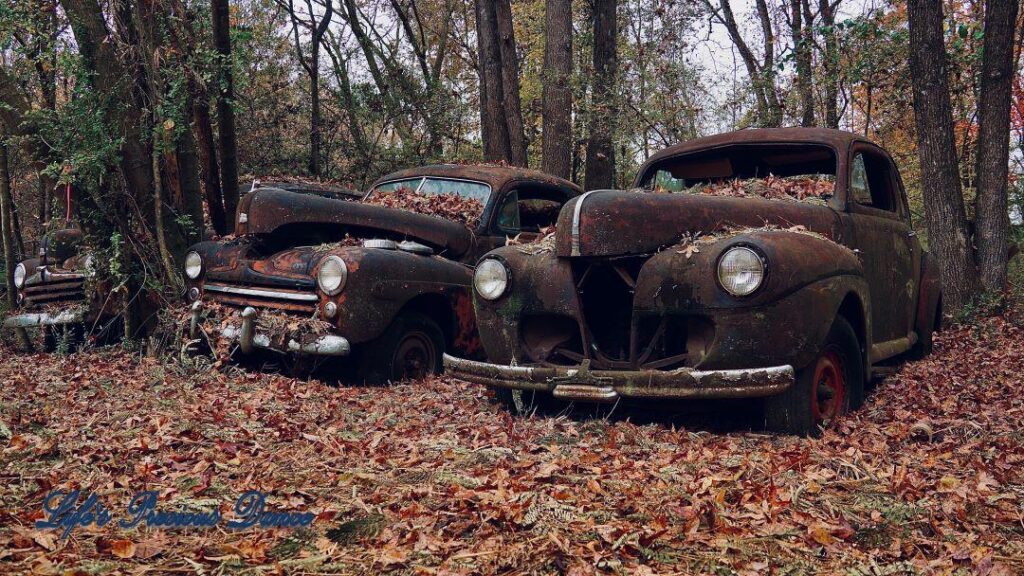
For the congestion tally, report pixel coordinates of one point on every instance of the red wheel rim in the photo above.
(415, 357)
(828, 394)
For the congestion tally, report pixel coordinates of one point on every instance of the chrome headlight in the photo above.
(332, 275)
(19, 276)
(491, 279)
(740, 271)
(193, 265)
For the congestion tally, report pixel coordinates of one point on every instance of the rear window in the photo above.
(775, 171)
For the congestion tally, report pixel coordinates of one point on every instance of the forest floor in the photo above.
(433, 478)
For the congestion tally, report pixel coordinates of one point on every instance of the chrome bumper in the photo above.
(249, 339)
(31, 320)
(580, 383)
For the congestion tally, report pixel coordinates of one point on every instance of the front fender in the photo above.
(382, 282)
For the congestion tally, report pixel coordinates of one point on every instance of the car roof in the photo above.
(495, 175)
(838, 139)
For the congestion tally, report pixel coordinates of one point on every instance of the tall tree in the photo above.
(830, 61)
(940, 181)
(317, 28)
(557, 96)
(600, 166)
(762, 70)
(9, 241)
(501, 117)
(992, 214)
(221, 13)
(800, 28)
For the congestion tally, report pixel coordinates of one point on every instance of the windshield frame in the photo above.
(423, 180)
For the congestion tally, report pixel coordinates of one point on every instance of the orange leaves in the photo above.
(431, 477)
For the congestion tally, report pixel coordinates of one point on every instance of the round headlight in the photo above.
(740, 271)
(193, 265)
(19, 276)
(332, 275)
(491, 279)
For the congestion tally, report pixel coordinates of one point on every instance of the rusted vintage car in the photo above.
(775, 263)
(53, 294)
(385, 281)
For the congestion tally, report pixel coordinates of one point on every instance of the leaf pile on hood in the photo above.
(432, 478)
(447, 205)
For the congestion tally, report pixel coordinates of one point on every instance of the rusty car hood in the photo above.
(604, 222)
(267, 211)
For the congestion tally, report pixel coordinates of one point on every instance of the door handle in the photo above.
(912, 233)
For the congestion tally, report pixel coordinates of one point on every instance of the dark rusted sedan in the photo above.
(385, 280)
(57, 291)
(774, 263)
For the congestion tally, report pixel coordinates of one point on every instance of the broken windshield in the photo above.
(428, 186)
(457, 200)
(804, 172)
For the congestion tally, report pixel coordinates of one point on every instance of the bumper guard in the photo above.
(580, 383)
(249, 339)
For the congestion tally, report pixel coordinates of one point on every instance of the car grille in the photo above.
(618, 338)
(274, 298)
(55, 289)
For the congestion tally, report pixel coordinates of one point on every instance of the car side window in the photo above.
(508, 214)
(859, 181)
(530, 208)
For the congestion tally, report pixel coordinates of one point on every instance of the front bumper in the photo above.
(249, 339)
(35, 319)
(580, 383)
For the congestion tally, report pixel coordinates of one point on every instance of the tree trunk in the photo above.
(802, 50)
(225, 111)
(314, 111)
(557, 138)
(208, 165)
(510, 83)
(493, 125)
(940, 182)
(830, 62)
(600, 167)
(992, 224)
(10, 260)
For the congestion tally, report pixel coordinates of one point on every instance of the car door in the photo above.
(888, 248)
(524, 211)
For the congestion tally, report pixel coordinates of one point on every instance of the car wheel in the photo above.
(830, 386)
(410, 349)
(923, 346)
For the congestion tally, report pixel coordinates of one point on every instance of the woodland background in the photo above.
(150, 115)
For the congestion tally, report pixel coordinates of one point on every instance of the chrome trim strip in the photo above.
(578, 209)
(262, 293)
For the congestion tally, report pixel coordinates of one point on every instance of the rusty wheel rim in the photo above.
(828, 393)
(415, 357)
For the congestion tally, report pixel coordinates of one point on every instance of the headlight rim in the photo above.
(757, 254)
(19, 284)
(508, 278)
(344, 275)
(200, 270)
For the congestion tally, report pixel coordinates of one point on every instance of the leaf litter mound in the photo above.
(814, 189)
(431, 477)
(447, 205)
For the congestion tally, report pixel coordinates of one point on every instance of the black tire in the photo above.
(923, 346)
(835, 377)
(410, 349)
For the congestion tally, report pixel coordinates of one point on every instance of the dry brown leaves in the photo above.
(432, 478)
(800, 188)
(447, 205)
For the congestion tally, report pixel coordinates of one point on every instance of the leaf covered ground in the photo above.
(432, 478)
